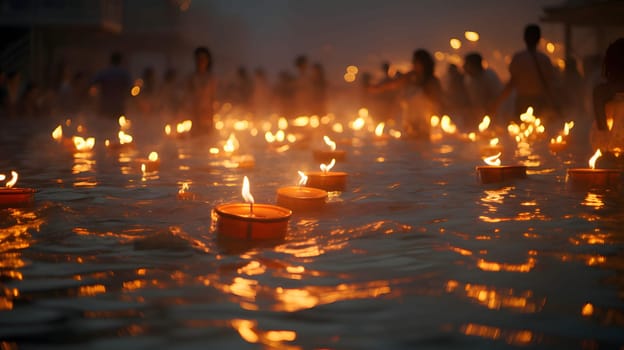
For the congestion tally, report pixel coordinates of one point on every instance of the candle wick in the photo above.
(251, 209)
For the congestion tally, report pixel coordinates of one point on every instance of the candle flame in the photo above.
(303, 178)
(493, 160)
(380, 129)
(358, 123)
(124, 138)
(184, 188)
(329, 142)
(57, 134)
(245, 192)
(13, 180)
(82, 144)
(184, 126)
(485, 123)
(231, 144)
(434, 121)
(269, 137)
(327, 167)
(2, 177)
(447, 125)
(143, 168)
(153, 157)
(592, 160)
(610, 123)
(167, 129)
(494, 141)
(566, 127)
(123, 122)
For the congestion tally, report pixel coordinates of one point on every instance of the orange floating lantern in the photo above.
(495, 172)
(592, 177)
(327, 155)
(301, 198)
(251, 221)
(10, 195)
(327, 180)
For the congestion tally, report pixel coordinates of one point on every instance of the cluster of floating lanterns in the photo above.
(249, 220)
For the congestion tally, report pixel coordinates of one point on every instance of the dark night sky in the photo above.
(270, 33)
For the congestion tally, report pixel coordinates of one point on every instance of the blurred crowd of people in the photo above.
(467, 92)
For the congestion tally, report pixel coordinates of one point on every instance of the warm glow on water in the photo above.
(414, 249)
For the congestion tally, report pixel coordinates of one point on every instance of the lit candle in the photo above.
(151, 164)
(326, 179)
(332, 153)
(251, 221)
(184, 192)
(592, 177)
(493, 147)
(559, 144)
(301, 198)
(10, 195)
(379, 132)
(495, 172)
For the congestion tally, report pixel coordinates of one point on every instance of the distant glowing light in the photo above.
(349, 77)
(550, 47)
(455, 43)
(471, 36)
(352, 69)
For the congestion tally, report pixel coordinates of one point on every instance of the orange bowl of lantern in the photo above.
(301, 198)
(13, 196)
(267, 221)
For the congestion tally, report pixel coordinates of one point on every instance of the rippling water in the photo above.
(415, 254)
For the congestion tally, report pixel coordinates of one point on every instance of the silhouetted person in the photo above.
(532, 77)
(241, 89)
(456, 96)
(319, 90)
(202, 88)
(145, 99)
(169, 94)
(422, 94)
(114, 84)
(304, 94)
(284, 93)
(608, 130)
(261, 96)
(572, 86)
(483, 86)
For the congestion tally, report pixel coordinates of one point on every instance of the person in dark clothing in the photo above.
(114, 83)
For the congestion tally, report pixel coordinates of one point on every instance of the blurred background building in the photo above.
(38, 37)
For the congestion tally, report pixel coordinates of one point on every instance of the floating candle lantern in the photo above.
(10, 195)
(559, 144)
(151, 164)
(125, 141)
(82, 144)
(592, 177)
(184, 192)
(251, 221)
(493, 147)
(301, 198)
(495, 172)
(327, 180)
(332, 153)
(379, 132)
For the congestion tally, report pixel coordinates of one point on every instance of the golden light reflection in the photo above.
(587, 310)
(250, 332)
(519, 337)
(593, 200)
(496, 299)
(493, 266)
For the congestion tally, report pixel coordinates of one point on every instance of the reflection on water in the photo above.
(414, 254)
